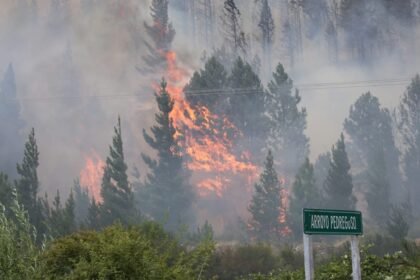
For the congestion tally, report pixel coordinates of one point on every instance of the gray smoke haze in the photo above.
(75, 73)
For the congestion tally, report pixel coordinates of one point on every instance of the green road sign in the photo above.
(332, 222)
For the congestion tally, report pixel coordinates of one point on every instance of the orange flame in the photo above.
(91, 176)
(284, 199)
(210, 150)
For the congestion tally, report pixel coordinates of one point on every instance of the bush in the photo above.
(19, 254)
(231, 262)
(145, 252)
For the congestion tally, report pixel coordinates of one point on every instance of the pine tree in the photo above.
(398, 221)
(304, 195)
(10, 124)
(408, 118)
(69, 214)
(160, 32)
(315, 13)
(118, 198)
(6, 193)
(292, 31)
(374, 153)
(251, 99)
(359, 21)
(287, 122)
(81, 201)
(233, 34)
(266, 24)
(378, 193)
(339, 184)
(93, 217)
(61, 218)
(28, 184)
(321, 167)
(213, 76)
(167, 195)
(265, 204)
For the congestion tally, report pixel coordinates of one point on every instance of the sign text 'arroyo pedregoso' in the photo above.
(333, 222)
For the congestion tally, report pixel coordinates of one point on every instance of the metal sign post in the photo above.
(331, 222)
(309, 257)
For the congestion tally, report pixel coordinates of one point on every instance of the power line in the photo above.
(241, 91)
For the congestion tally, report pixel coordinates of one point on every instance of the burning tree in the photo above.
(167, 194)
(118, 199)
(266, 205)
(160, 32)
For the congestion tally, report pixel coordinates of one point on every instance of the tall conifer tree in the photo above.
(265, 205)
(167, 194)
(11, 124)
(118, 198)
(266, 24)
(161, 32)
(339, 184)
(304, 194)
(234, 35)
(28, 184)
(287, 123)
(374, 153)
(408, 118)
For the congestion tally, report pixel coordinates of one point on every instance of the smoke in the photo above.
(74, 81)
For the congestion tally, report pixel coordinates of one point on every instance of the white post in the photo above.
(355, 258)
(309, 260)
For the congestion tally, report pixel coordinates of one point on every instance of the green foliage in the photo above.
(82, 203)
(118, 198)
(409, 127)
(19, 254)
(6, 192)
(287, 122)
(266, 204)
(167, 194)
(253, 125)
(304, 194)
(28, 185)
(61, 219)
(339, 184)
(373, 151)
(202, 234)
(381, 245)
(396, 266)
(93, 219)
(213, 76)
(144, 252)
(232, 262)
(398, 222)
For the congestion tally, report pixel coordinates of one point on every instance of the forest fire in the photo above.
(284, 198)
(209, 149)
(91, 175)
